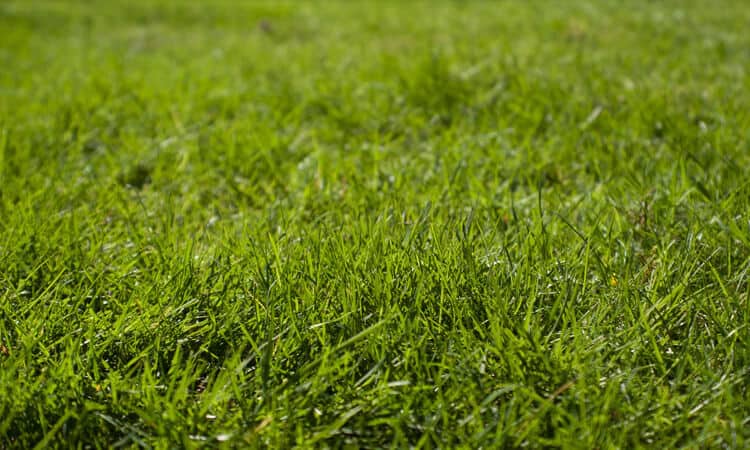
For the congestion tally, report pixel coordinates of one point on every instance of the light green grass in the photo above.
(491, 224)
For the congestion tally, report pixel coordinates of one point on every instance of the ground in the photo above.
(330, 224)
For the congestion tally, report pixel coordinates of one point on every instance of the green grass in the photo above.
(443, 224)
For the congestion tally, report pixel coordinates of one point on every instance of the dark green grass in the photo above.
(396, 224)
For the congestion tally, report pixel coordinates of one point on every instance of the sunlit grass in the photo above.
(403, 224)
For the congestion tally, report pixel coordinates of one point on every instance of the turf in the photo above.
(407, 224)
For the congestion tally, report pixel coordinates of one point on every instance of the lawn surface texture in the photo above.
(329, 224)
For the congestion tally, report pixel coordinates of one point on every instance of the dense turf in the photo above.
(411, 224)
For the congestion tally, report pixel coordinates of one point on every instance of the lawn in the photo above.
(358, 224)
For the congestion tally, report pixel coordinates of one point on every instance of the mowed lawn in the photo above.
(372, 224)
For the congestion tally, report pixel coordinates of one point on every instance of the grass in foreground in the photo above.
(408, 224)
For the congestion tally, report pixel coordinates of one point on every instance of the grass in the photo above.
(248, 224)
